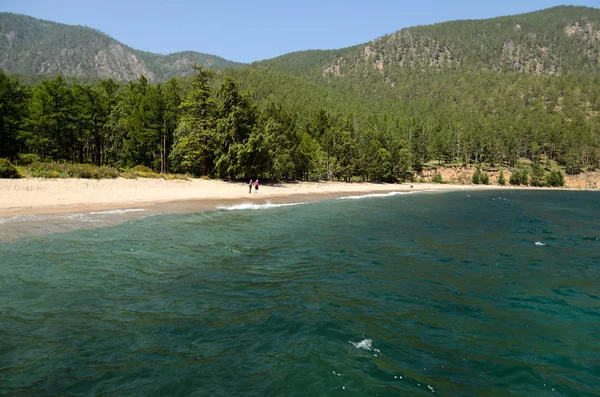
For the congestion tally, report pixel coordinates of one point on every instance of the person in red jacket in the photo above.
(256, 186)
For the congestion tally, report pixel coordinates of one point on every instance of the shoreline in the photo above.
(37, 196)
(38, 207)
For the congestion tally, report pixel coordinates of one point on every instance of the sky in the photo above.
(251, 30)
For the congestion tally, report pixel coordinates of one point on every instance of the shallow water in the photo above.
(477, 293)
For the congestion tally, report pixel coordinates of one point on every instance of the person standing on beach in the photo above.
(256, 186)
(250, 186)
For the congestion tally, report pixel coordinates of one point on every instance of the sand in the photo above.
(44, 196)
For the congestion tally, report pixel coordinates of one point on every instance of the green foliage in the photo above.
(519, 176)
(7, 170)
(418, 145)
(556, 178)
(538, 175)
(195, 137)
(51, 110)
(141, 168)
(227, 133)
(236, 118)
(476, 177)
(437, 178)
(278, 126)
(501, 178)
(484, 178)
(27, 158)
(141, 171)
(68, 170)
(480, 177)
(13, 109)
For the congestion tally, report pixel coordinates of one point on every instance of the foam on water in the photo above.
(117, 212)
(366, 344)
(253, 206)
(373, 195)
(84, 216)
(17, 218)
(19, 226)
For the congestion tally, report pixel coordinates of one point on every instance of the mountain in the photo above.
(500, 66)
(495, 90)
(556, 41)
(31, 46)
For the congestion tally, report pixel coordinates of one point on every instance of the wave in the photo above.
(539, 243)
(372, 195)
(78, 217)
(83, 216)
(253, 206)
(27, 225)
(18, 218)
(117, 212)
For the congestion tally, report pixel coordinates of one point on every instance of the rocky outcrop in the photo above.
(121, 65)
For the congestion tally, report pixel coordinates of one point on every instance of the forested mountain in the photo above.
(37, 47)
(555, 41)
(510, 92)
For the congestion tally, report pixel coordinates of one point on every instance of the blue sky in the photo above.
(247, 31)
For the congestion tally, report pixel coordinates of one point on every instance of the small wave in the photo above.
(252, 206)
(373, 195)
(18, 218)
(539, 243)
(116, 212)
(79, 217)
(84, 217)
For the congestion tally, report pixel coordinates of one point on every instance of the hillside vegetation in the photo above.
(556, 41)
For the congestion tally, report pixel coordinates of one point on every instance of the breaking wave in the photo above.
(372, 195)
(253, 206)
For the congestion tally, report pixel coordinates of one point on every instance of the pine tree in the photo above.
(236, 119)
(13, 109)
(501, 179)
(195, 135)
(171, 118)
(51, 111)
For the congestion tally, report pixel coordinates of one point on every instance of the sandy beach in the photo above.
(46, 196)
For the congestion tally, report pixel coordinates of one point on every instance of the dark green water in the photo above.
(420, 294)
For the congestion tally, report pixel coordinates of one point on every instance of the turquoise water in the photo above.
(454, 294)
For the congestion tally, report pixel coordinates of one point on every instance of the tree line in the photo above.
(208, 125)
(198, 129)
(470, 117)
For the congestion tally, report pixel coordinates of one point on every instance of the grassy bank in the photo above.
(84, 171)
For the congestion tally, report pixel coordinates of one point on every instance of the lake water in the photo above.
(456, 294)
